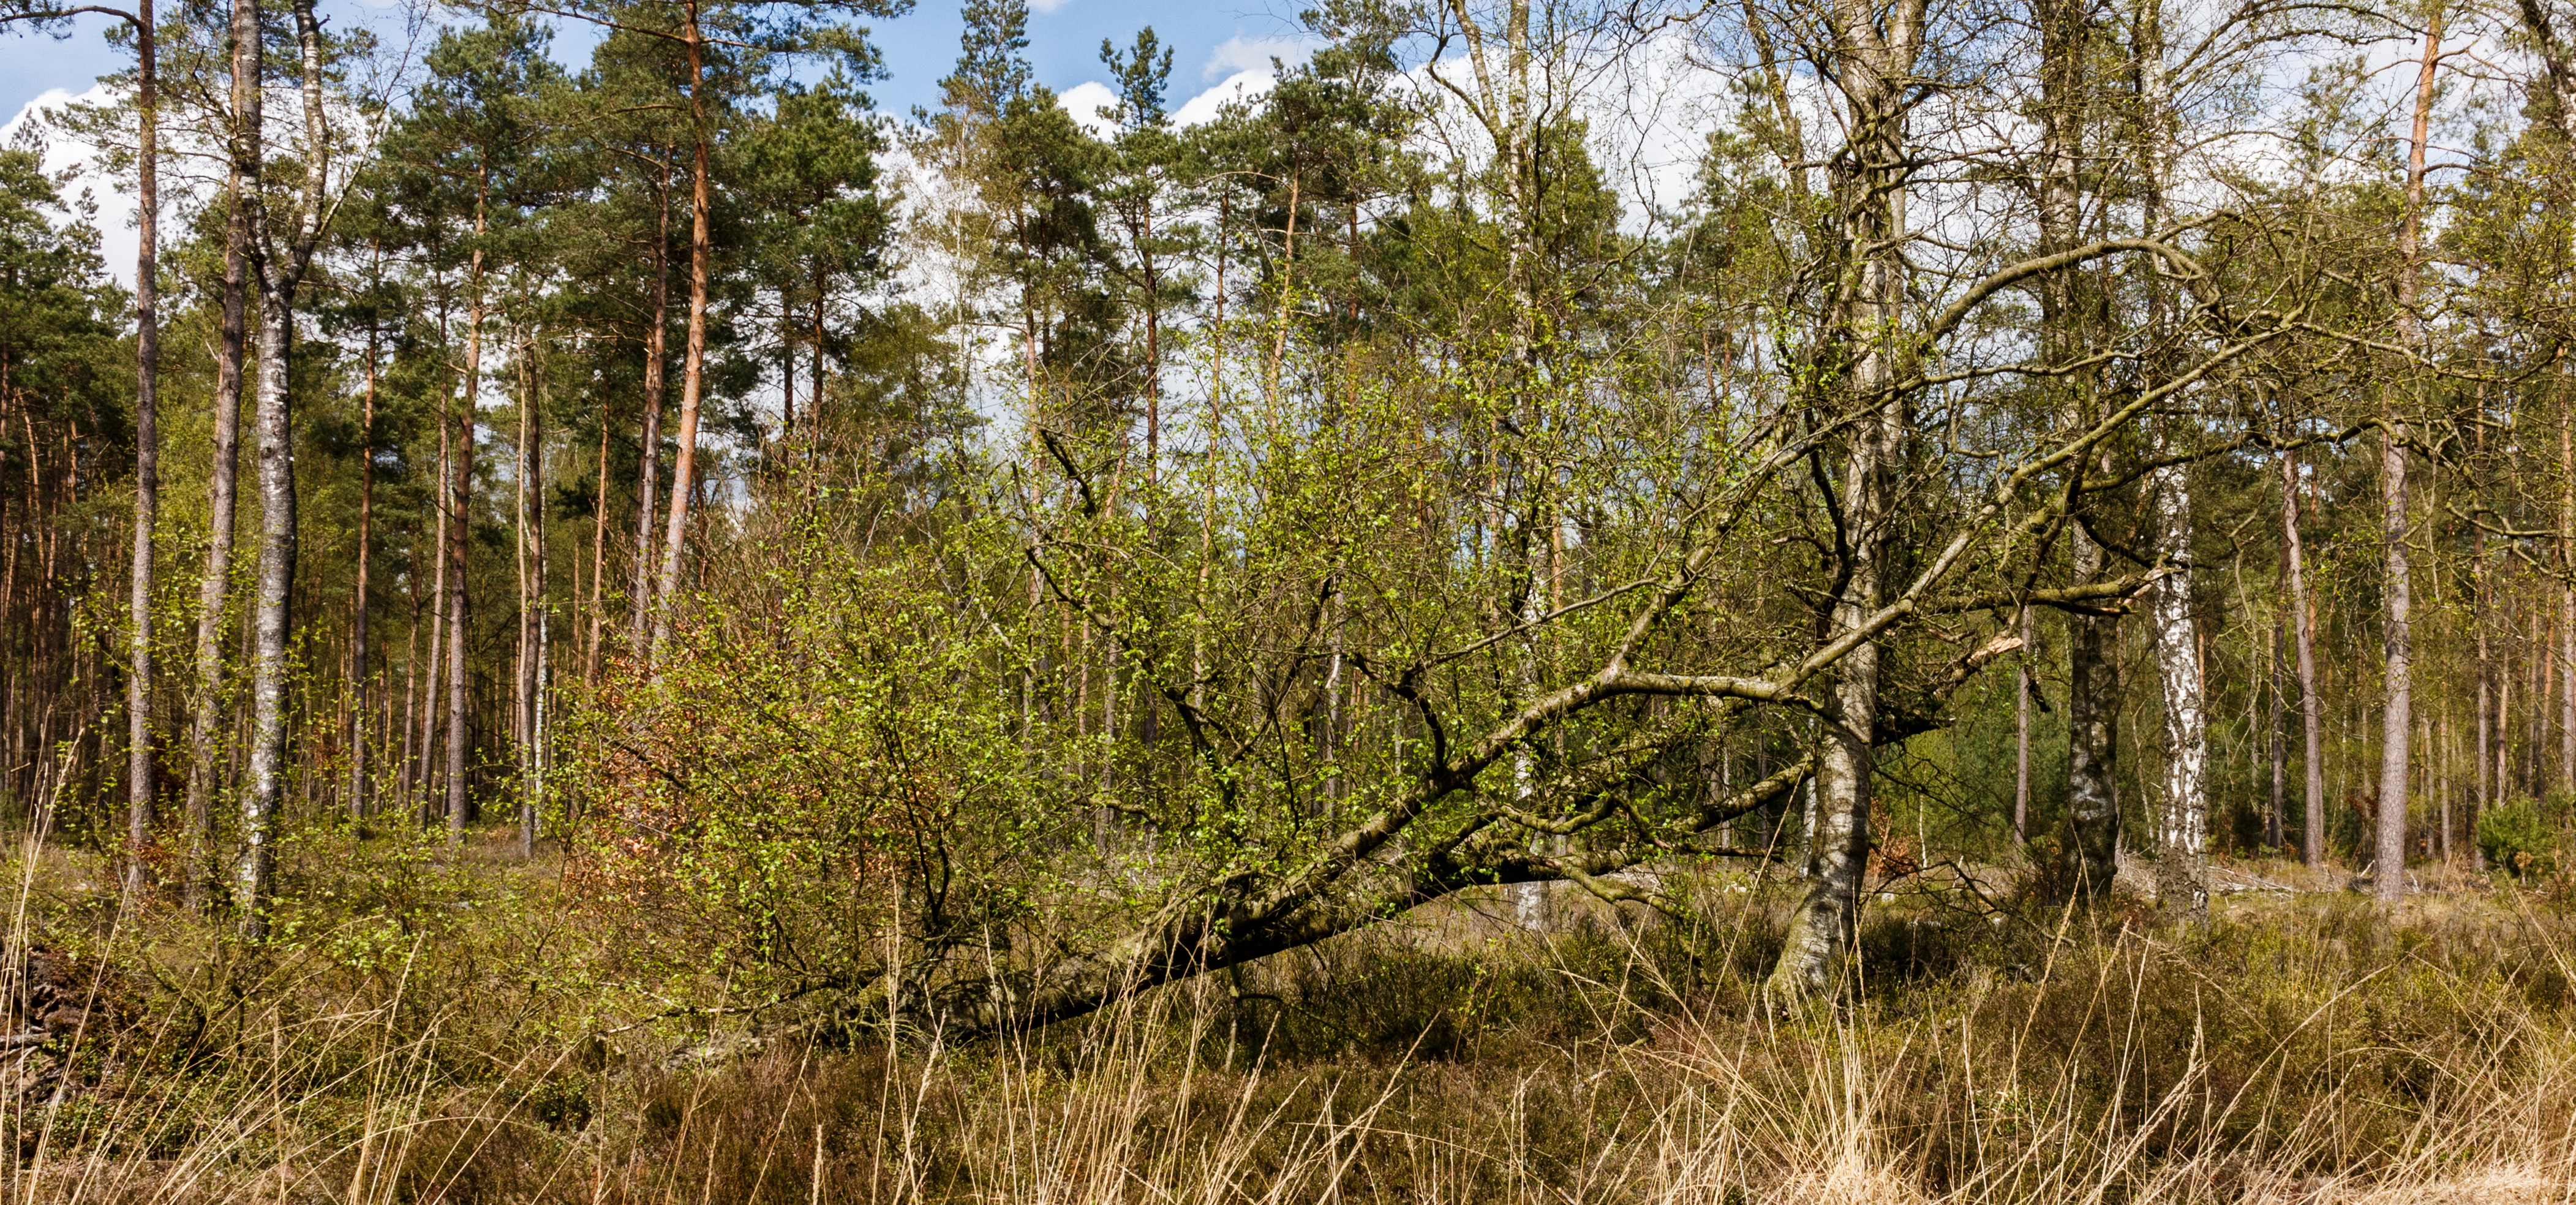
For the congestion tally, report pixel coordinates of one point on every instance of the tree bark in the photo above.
(2397, 721)
(598, 559)
(266, 779)
(140, 777)
(639, 601)
(460, 681)
(359, 669)
(2312, 721)
(2021, 731)
(2276, 657)
(2182, 864)
(437, 663)
(2092, 826)
(1876, 65)
(532, 588)
(693, 357)
(279, 272)
(2566, 649)
(2479, 606)
(215, 592)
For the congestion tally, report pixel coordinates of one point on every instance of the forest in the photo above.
(1775, 601)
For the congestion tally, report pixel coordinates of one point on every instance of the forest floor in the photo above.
(428, 1027)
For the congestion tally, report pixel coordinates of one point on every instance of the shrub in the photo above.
(2520, 837)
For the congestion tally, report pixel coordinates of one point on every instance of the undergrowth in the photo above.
(429, 1028)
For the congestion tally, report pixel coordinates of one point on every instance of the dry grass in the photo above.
(2305, 1048)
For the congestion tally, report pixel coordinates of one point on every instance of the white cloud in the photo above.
(1239, 55)
(1047, 6)
(1085, 101)
(117, 238)
(1242, 85)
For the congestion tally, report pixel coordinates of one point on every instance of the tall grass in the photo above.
(2308, 1048)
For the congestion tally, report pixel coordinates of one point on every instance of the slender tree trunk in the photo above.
(2276, 654)
(523, 659)
(437, 662)
(460, 682)
(2504, 730)
(2396, 723)
(411, 677)
(2312, 720)
(213, 597)
(141, 782)
(2566, 648)
(814, 398)
(532, 596)
(598, 559)
(2444, 737)
(275, 475)
(2480, 603)
(693, 358)
(359, 670)
(2182, 870)
(266, 785)
(2182, 864)
(2021, 732)
(649, 460)
(2092, 845)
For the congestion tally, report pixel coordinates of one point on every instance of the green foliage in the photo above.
(2522, 837)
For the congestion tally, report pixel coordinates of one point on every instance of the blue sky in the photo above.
(1211, 41)
(1221, 49)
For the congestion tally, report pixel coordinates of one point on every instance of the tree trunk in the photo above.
(2312, 720)
(214, 595)
(140, 778)
(649, 458)
(460, 682)
(359, 669)
(598, 559)
(1870, 177)
(2021, 732)
(2276, 657)
(2397, 721)
(2092, 843)
(268, 617)
(437, 663)
(2182, 865)
(693, 357)
(2566, 648)
(2479, 605)
(278, 273)
(532, 590)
